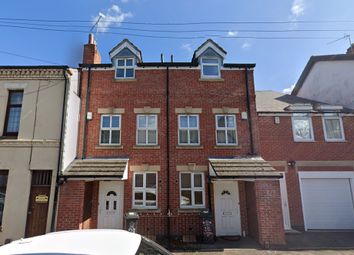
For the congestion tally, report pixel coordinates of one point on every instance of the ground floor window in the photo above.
(192, 190)
(3, 184)
(145, 190)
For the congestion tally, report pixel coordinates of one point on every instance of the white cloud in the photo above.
(124, 1)
(246, 45)
(112, 16)
(298, 8)
(187, 47)
(232, 33)
(288, 90)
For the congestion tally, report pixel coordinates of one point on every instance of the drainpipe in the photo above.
(168, 151)
(88, 90)
(61, 142)
(249, 112)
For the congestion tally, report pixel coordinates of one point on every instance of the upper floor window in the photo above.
(13, 113)
(226, 130)
(146, 130)
(188, 129)
(192, 190)
(110, 129)
(125, 68)
(145, 190)
(302, 128)
(210, 67)
(3, 185)
(333, 127)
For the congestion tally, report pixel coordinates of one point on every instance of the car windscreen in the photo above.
(148, 247)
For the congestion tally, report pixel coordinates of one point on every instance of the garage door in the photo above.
(328, 203)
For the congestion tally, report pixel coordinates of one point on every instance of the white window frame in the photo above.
(144, 191)
(333, 116)
(225, 129)
(146, 130)
(125, 67)
(192, 189)
(302, 116)
(210, 64)
(110, 129)
(188, 130)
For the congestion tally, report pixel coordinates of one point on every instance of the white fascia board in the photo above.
(206, 46)
(326, 174)
(125, 45)
(329, 107)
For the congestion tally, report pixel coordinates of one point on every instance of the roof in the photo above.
(127, 43)
(249, 167)
(170, 64)
(81, 168)
(35, 67)
(222, 52)
(312, 61)
(273, 101)
(92, 241)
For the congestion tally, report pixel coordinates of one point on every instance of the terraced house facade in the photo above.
(168, 140)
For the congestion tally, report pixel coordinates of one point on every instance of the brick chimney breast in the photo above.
(91, 54)
(350, 50)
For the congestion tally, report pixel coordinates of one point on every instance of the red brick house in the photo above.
(312, 144)
(168, 140)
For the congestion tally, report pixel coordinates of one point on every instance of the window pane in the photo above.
(142, 121)
(150, 180)
(230, 121)
(3, 183)
(186, 180)
(194, 136)
(104, 136)
(198, 181)
(138, 196)
(183, 122)
(115, 136)
(152, 137)
(183, 136)
(221, 137)
(120, 72)
(150, 196)
(151, 121)
(120, 62)
(115, 122)
(141, 137)
(129, 72)
(106, 122)
(129, 62)
(193, 121)
(221, 121)
(16, 97)
(186, 197)
(13, 121)
(198, 197)
(138, 180)
(302, 129)
(211, 70)
(210, 60)
(231, 136)
(333, 129)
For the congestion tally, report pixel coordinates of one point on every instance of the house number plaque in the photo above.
(41, 199)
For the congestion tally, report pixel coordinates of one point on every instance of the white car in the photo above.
(88, 242)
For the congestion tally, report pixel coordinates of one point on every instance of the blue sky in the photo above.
(279, 62)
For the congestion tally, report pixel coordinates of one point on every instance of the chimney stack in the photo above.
(91, 53)
(350, 50)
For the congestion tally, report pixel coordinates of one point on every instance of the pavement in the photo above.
(307, 243)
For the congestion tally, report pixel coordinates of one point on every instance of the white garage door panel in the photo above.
(328, 203)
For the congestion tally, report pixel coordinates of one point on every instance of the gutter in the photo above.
(87, 104)
(56, 192)
(168, 152)
(249, 112)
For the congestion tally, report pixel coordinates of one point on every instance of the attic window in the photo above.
(125, 68)
(210, 68)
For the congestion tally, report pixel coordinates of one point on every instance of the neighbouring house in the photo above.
(328, 78)
(312, 144)
(34, 143)
(168, 140)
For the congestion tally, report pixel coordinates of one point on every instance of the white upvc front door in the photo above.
(110, 204)
(227, 208)
(284, 203)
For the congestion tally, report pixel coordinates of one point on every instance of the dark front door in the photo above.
(38, 203)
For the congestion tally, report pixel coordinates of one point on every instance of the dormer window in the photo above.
(125, 68)
(210, 67)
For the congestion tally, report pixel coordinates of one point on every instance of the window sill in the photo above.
(146, 147)
(221, 147)
(211, 79)
(109, 147)
(335, 141)
(189, 147)
(191, 210)
(304, 141)
(8, 137)
(146, 210)
(124, 79)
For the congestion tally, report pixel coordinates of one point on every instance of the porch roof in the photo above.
(97, 168)
(252, 167)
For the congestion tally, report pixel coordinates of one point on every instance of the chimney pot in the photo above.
(91, 39)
